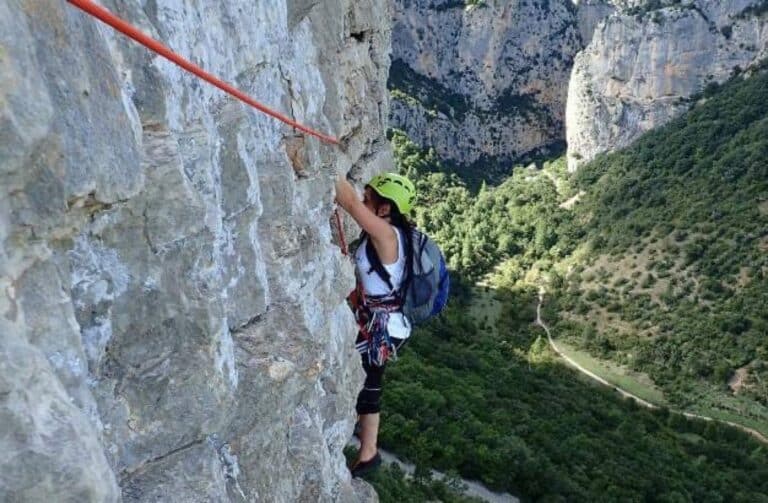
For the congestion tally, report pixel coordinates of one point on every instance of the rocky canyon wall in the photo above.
(484, 83)
(492, 83)
(648, 58)
(172, 316)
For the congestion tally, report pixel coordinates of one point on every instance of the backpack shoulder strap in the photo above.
(414, 242)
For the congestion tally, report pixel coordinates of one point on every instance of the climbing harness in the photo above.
(372, 315)
(130, 31)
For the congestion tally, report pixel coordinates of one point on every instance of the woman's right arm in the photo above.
(380, 231)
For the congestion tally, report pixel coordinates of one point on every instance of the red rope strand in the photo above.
(340, 227)
(152, 44)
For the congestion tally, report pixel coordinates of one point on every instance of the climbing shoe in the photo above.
(365, 467)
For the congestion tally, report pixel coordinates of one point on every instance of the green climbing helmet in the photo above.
(396, 188)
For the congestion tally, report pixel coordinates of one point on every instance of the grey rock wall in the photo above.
(484, 82)
(494, 82)
(172, 316)
(647, 58)
(589, 14)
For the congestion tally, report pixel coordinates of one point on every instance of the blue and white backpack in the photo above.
(424, 292)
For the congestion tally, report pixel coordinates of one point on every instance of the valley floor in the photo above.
(571, 355)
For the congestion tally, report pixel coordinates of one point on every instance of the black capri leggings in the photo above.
(369, 398)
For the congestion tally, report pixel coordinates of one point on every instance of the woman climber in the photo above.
(382, 260)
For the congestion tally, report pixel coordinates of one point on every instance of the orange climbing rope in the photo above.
(152, 44)
(340, 227)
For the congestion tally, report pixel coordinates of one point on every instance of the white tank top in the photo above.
(372, 283)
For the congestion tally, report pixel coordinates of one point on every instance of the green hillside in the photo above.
(673, 275)
(654, 263)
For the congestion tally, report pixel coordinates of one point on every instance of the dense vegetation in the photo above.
(518, 221)
(496, 407)
(688, 203)
(654, 257)
(668, 238)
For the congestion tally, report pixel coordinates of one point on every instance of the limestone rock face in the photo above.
(647, 58)
(486, 81)
(172, 315)
(589, 13)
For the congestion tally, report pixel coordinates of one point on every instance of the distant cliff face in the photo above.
(647, 58)
(482, 81)
(486, 83)
(589, 13)
(172, 316)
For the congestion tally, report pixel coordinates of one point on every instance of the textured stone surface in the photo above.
(486, 82)
(495, 83)
(589, 13)
(172, 317)
(643, 64)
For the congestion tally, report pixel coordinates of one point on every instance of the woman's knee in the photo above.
(369, 401)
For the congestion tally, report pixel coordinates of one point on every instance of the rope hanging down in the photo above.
(340, 228)
(129, 30)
